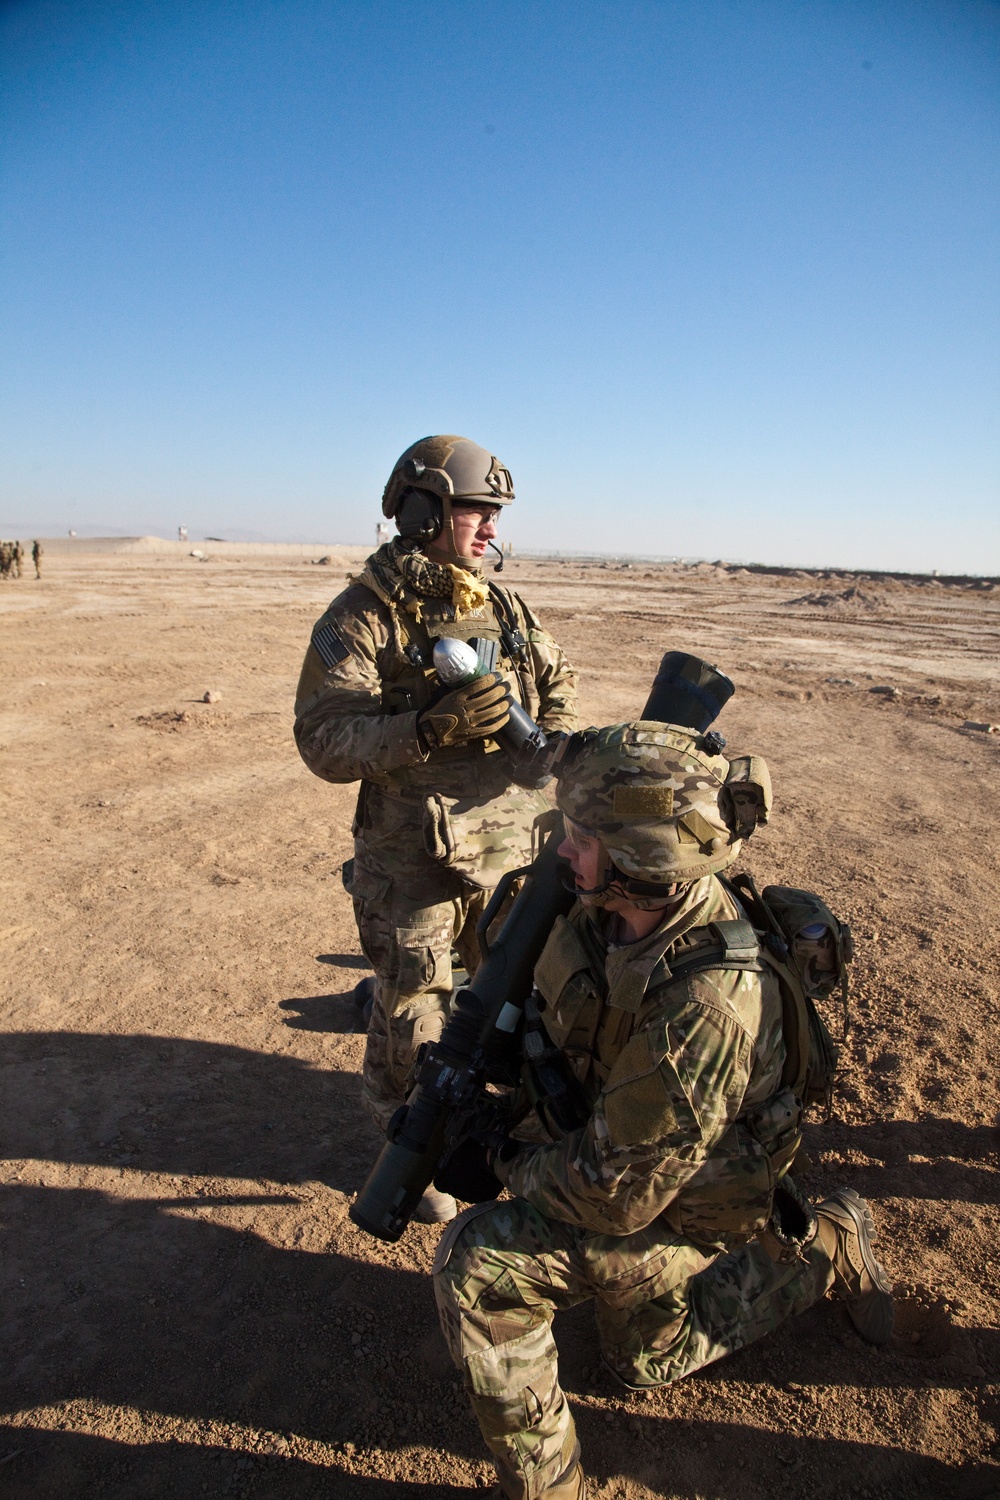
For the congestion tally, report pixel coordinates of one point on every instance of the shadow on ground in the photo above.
(711, 1461)
(336, 1013)
(944, 1160)
(344, 960)
(139, 1300)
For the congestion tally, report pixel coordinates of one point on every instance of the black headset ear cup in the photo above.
(420, 515)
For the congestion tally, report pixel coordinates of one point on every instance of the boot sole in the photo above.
(871, 1313)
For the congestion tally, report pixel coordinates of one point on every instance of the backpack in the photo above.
(809, 949)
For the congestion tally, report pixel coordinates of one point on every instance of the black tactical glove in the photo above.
(466, 1173)
(476, 711)
(532, 765)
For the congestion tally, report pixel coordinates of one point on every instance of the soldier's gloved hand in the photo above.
(466, 1173)
(532, 766)
(476, 711)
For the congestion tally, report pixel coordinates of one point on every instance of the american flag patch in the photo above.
(329, 646)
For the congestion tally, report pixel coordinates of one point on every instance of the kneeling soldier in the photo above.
(657, 1116)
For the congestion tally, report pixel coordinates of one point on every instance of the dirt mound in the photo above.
(849, 601)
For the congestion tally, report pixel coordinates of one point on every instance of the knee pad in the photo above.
(408, 1033)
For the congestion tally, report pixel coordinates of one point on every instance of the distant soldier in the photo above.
(381, 534)
(6, 558)
(17, 558)
(36, 557)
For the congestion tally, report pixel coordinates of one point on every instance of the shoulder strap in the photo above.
(735, 947)
(513, 641)
(794, 1025)
(795, 1005)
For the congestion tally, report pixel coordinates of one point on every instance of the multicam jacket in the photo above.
(367, 675)
(687, 1119)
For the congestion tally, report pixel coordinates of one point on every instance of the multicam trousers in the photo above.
(664, 1309)
(412, 909)
(408, 922)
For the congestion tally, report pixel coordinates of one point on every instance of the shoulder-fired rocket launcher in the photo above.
(481, 1037)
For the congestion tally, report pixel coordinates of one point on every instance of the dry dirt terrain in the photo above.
(187, 1309)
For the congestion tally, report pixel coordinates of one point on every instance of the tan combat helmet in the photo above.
(666, 807)
(433, 474)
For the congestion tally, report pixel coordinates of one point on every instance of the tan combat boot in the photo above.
(846, 1232)
(572, 1487)
(435, 1208)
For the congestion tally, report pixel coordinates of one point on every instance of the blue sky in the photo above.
(712, 277)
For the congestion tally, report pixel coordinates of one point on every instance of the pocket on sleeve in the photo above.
(643, 1098)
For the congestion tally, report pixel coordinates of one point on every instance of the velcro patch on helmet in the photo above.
(694, 828)
(643, 801)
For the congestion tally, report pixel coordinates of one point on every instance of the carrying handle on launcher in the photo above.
(500, 893)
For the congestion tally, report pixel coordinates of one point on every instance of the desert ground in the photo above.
(187, 1309)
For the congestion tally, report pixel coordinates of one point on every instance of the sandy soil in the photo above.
(186, 1308)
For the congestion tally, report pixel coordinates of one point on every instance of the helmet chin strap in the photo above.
(597, 894)
(451, 552)
(645, 895)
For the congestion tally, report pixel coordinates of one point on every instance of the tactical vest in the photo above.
(456, 784)
(731, 1197)
(409, 681)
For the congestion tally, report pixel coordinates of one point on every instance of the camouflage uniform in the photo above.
(650, 1206)
(36, 558)
(433, 831)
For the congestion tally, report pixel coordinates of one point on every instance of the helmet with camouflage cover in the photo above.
(431, 476)
(664, 804)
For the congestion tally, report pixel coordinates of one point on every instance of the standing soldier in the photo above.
(659, 1112)
(6, 559)
(439, 816)
(36, 557)
(17, 557)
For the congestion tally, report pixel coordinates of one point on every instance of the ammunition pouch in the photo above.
(777, 1126)
(479, 842)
